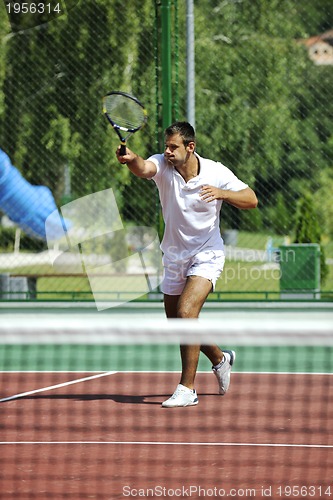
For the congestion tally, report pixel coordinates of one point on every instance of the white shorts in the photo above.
(207, 264)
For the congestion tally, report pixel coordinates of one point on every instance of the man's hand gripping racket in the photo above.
(126, 114)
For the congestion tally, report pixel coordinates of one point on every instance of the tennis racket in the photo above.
(125, 113)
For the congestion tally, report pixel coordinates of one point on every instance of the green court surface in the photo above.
(161, 358)
(254, 353)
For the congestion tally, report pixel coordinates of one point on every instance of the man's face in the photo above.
(175, 152)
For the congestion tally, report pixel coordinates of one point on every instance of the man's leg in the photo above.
(213, 353)
(188, 305)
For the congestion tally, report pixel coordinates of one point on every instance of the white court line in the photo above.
(171, 443)
(233, 372)
(57, 386)
(105, 374)
(99, 371)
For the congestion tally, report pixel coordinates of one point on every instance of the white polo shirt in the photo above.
(191, 224)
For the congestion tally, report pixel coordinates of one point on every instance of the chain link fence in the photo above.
(263, 81)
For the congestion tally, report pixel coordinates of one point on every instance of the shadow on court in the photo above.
(144, 399)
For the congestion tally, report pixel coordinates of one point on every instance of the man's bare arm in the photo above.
(245, 198)
(136, 164)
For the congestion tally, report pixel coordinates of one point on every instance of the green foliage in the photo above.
(4, 28)
(278, 216)
(263, 108)
(7, 240)
(323, 201)
(251, 220)
(307, 229)
(56, 75)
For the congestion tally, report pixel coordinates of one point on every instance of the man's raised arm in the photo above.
(137, 165)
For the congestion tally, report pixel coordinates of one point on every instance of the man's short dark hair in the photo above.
(184, 129)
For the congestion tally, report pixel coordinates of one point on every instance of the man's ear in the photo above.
(190, 148)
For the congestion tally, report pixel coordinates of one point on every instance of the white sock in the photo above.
(226, 357)
(184, 388)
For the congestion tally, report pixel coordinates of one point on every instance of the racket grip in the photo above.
(122, 150)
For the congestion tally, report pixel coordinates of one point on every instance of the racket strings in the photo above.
(125, 113)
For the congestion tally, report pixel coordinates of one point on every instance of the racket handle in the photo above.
(122, 150)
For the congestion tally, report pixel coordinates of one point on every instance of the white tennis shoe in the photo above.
(183, 396)
(223, 370)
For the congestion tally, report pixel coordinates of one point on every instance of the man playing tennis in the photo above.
(191, 191)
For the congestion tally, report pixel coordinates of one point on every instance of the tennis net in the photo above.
(81, 413)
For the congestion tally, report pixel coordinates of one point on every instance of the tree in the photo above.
(263, 108)
(56, 75)
(307, 229)
(323, 201)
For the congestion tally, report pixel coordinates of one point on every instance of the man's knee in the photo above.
(188, 309)
(184, 311)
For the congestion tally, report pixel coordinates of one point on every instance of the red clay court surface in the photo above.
(109, 438)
